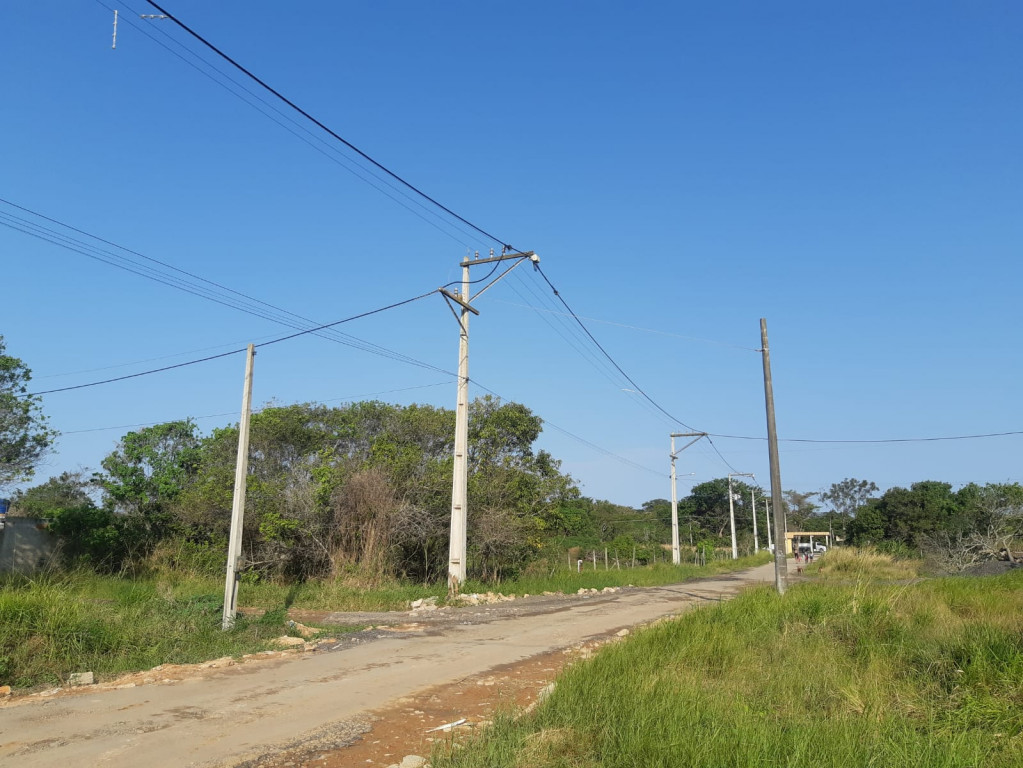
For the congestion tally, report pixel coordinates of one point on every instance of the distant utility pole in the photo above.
(241, 470)
(767, 521)
(460, 479)
(676, 555)
(781, 575)
(731, 510)
(753, 503)
(141, 16)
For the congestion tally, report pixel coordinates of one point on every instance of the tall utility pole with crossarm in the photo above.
(460, 479)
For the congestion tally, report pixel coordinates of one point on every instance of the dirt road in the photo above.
(311, 703)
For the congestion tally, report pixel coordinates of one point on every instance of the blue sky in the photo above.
(851, 172)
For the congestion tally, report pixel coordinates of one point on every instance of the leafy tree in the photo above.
(150, 467)
(143, 476)
(868, 526)
(367, 488)
(799, 510)
(91, 535)
(25, 437)
(843, 500)
(848, 496)
(707, 505)
(69, 489)
(925, 507)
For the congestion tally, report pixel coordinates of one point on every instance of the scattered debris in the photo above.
(302, 629)
(424, 603)
(410, 761)
(447, 726)
(5, 690)
(285, 641)
(223, 661)
(488, 598)
(81, 678)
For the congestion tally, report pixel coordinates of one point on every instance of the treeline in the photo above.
(956, 528)
(364, 487)
(362, 490)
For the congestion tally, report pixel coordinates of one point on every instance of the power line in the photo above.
(638, 328)
(234, 413)
(575, 437)
(234, 351)
(323, 127)
(606, 354)
(408, 185)
(219, 294)
(140, 362)
(604, 451)
(876, 441)
(294, 127)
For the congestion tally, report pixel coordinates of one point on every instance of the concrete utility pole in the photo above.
(767, 521)
(460, 479)
(731, 510)
(676, 555)
(753, 503)
(241, 469)
(781, 575)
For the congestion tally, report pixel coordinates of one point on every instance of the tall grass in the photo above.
(833, 675)
(563, 580)
(55, 625)
(850, 563)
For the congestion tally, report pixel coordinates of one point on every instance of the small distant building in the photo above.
(812, 538)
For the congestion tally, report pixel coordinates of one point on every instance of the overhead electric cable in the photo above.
(606, 354)
(324, 127)
(233, 344)
(876, 441)
(638, 328)
(604, 451)
(234, 351)
(575, 437)
(327, 149)
(257, 307)
(638, 388)
(235, 413)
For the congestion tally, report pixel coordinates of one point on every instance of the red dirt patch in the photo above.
(402, 729)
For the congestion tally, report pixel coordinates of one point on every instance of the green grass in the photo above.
(55, 625)
(852, 564)
(659, 574)
(831, 675)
